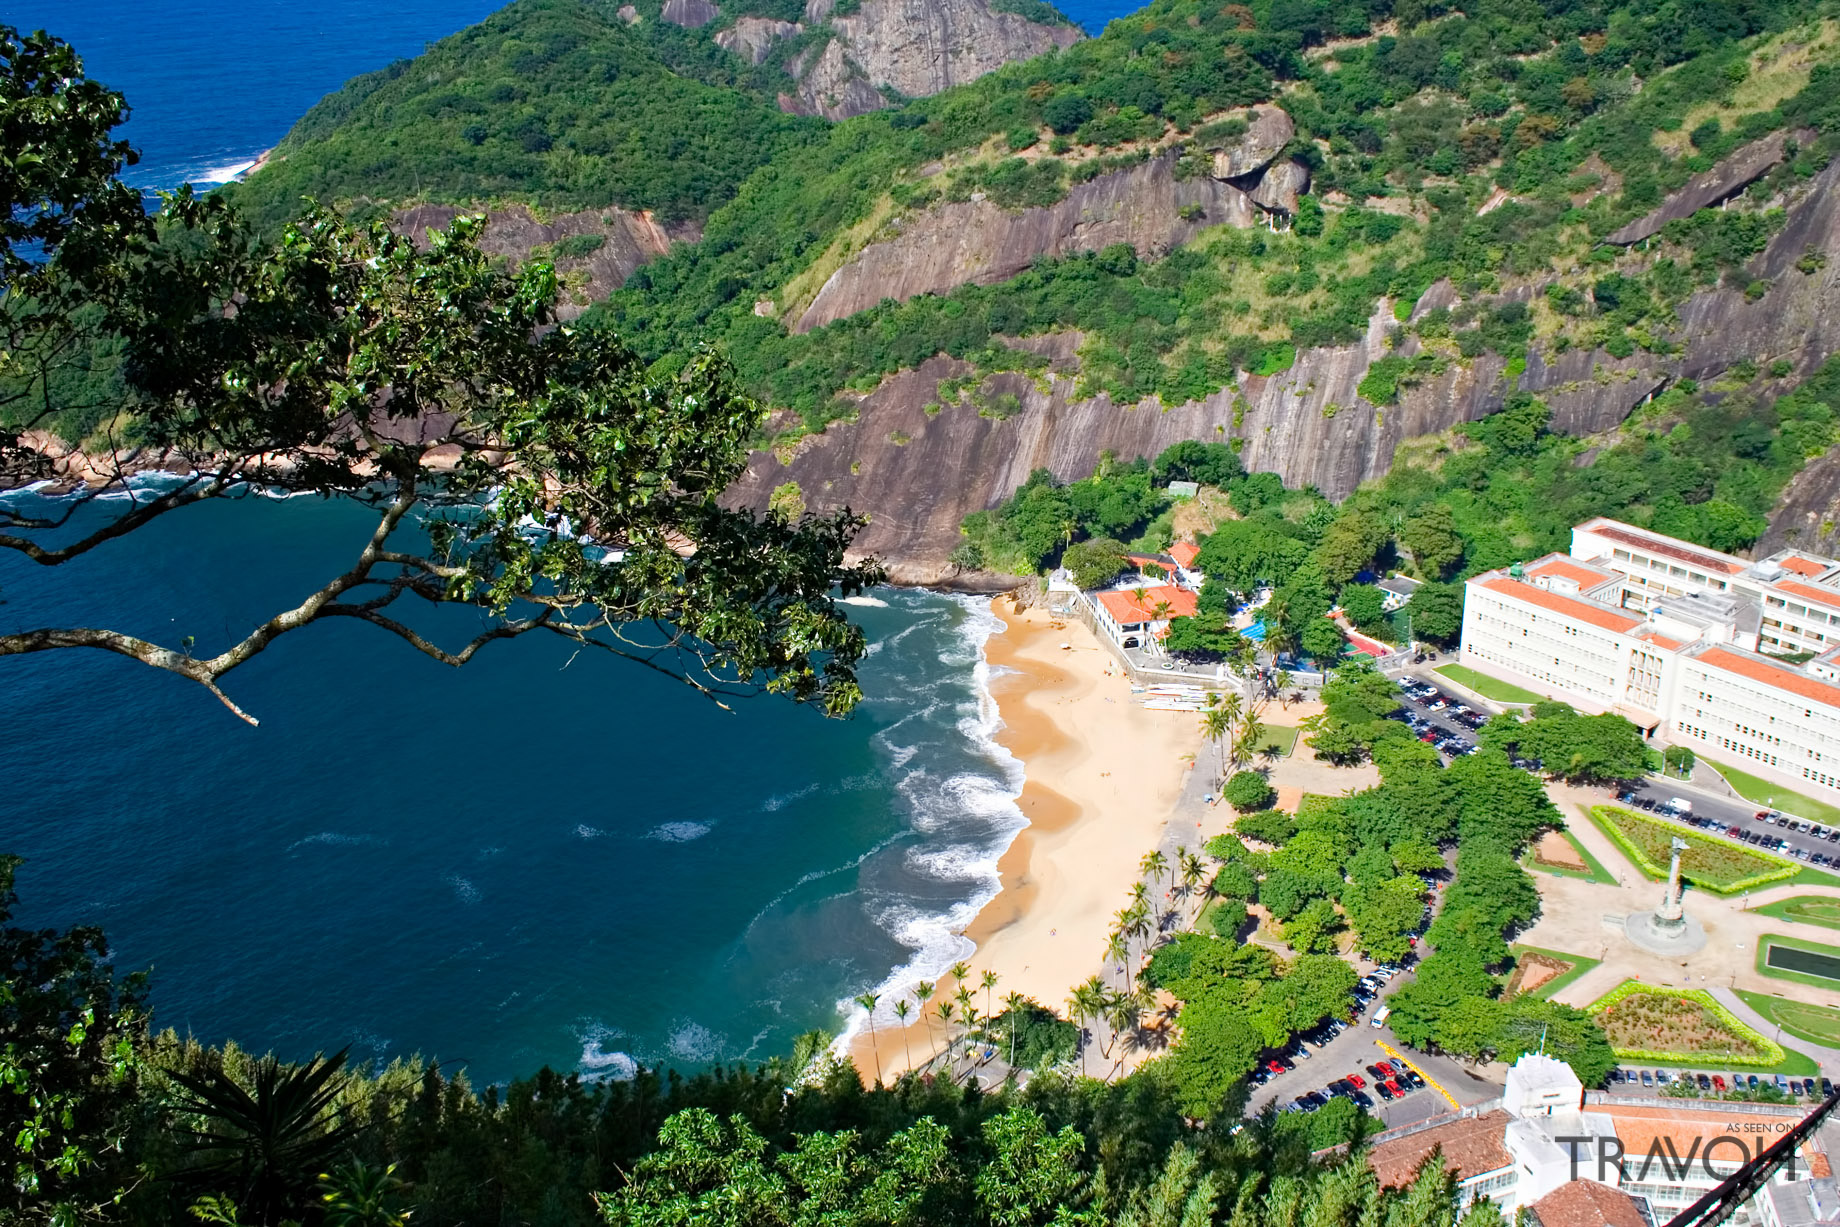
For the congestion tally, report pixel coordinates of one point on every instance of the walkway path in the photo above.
(1828, 1057)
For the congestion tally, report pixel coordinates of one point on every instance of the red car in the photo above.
(1276, 1067)
(1394, 1087)
(1718, 1082)
(1357, 1081)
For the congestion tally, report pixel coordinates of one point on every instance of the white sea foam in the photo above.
(980, 810)
(692, 1041)
(222, 174)
(600, 1063)
(870, 601)
(466, 890)
(776, 803)
(679, 832)
(584, 831)
(337, 839)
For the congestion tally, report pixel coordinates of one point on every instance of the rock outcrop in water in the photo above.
(950, 244)
(1308, 424)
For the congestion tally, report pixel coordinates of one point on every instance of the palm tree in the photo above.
(1153, 863)
(989, 981)
(1088, 1002)
(1194, 874)
(1118, 947)
(1012, 1005)
(901, 1011)
(266, 1143)
(971, 1022)
(867, 1001)
(1281, 682)
(1251, 732)
(359, 1195)
(946, 1010)
(1121, 1014)
(961, 971)
(1215, 724)
(923, 993)
(1140, 894)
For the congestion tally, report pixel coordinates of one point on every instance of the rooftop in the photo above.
(1570, 606)
(1662, 547)
(1805, 1203)
(1658, 1135)
(1125, 608)
(1400, 585)
(1586, 1203)
(1782, 677)
(1805, 567)
(1471, 1145)
(1558, 566)
(1185, 553)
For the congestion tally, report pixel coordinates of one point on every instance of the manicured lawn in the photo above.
(1807, 909)
(1814, 980)
(1580, 965)
(1764, 793)
(1486, 686)
(1818, 1024)
(1593, 870)
(1279, 740)
(1713, 864)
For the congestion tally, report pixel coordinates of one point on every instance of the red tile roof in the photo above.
(1804, 566)
(1565, 568)
(1665, 547)
(1185, 552)
(1472, 1146)
(1586, 1203)
(1123, 606)
(1779, 676)
(1643, 1130)
(1571, 607)
(1820, 596)
(1661, 641)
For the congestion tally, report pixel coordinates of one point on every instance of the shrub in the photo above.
(1248, 791)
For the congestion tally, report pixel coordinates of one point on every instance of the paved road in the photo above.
(1737, 812)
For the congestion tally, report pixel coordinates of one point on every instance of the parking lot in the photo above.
(1739, 820)
(1639, 1080)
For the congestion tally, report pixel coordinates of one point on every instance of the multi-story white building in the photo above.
(1739, 660)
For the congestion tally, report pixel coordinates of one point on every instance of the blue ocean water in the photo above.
(213, 83)
(539, 858)
(534, 859)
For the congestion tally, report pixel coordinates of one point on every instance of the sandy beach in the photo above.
(1102, 777)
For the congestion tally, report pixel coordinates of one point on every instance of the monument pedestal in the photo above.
(1667, 930)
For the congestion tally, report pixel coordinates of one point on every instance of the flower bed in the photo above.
(1710, 864)
(1695, 1012)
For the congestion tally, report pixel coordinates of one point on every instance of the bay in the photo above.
(544, 857)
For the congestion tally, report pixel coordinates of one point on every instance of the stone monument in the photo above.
(1667, 930)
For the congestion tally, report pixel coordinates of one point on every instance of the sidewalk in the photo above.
(1829, 1058)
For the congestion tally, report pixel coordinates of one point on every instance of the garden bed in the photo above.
(1784, 965)
(1711, 864)
(1539, 972)
(1647, 1023)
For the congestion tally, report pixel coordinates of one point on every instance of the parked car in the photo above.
(1705, 1083)
(1363, 1099)
(1718, 1082)
(1357, 1080)
(1648, 1079)
(1751, 1082)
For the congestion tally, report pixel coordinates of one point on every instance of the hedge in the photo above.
(1771, 1052)
(1786, 870)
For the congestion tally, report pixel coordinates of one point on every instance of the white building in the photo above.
(1687, 643)
(1568, 1157)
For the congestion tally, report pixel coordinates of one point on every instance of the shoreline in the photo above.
(1101, 779)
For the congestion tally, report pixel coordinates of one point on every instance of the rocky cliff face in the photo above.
(627, 241)
(917, 475)
(913, 47)
(948, 245)
(1146, 206)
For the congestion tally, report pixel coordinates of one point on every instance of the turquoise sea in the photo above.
(534, 859)
(537, 858)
